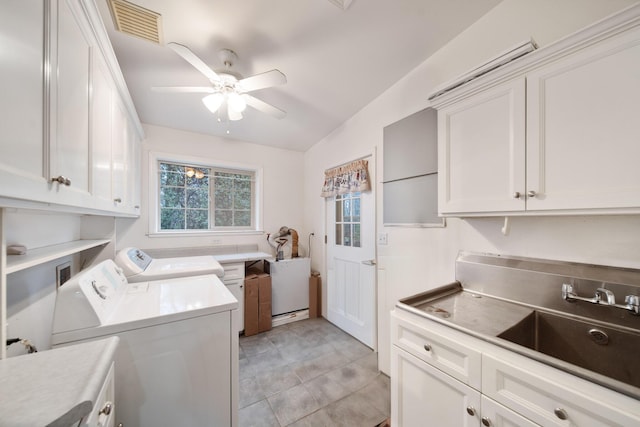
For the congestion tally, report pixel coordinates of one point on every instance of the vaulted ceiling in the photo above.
(336, 61)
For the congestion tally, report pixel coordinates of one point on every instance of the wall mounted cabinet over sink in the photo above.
(555, 132)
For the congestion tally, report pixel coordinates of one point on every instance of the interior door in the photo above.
(351, 270)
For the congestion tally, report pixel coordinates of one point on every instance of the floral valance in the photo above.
(350, 178)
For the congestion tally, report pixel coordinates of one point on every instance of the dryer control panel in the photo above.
(133, 261)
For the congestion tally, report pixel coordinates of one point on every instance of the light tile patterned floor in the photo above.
(310, 373)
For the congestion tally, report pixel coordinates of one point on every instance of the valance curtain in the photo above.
(350, 178)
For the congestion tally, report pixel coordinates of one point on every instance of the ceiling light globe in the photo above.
(213, 101)
(236, 102)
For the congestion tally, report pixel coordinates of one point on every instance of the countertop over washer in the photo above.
(55, 387)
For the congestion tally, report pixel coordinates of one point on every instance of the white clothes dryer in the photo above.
(177, 361)
(138, 266)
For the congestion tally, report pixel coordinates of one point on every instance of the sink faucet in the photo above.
(611, 298)
(604, 297)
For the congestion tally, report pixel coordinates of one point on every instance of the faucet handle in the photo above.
(633, 303)
(568, 292)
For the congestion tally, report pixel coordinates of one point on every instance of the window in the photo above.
(348, 220)
(192, 197)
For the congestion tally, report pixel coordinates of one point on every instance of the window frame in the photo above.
(155, 158)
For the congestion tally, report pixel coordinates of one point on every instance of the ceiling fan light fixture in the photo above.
(213, 101)
(233, 114)
(236, 102)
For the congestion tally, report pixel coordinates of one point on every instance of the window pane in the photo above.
(172, 219)
(172, 179)
(224, 218)
(347, 210)
(338, 210)
(346, 232)
(172, 197)
(242, 219)
(194, 181)
(356, 210)
(198, 198)
(242, 200)
(356, 235)
(338, 234)
(224, 197)
(197, 219)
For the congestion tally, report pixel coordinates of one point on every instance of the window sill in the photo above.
(205, 233)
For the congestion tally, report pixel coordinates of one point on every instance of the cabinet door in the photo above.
(496, 415)
(133, 176)
(120, 136)
(422, 395)
(101, 118)
(22, 156)
(70, 147)
(236, 287)
(583, 130)
(481, 152)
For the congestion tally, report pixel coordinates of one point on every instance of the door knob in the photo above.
(531, 193)
(369, 262)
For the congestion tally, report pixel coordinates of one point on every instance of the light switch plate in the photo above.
(382, 238)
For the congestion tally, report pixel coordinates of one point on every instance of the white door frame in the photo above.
(329, 228)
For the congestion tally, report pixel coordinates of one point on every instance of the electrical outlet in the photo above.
(63, 273)
(382, 238)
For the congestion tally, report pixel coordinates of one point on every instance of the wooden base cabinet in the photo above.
(434, 369)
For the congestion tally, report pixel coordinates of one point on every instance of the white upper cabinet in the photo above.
(70, 146)
(555, 132)
(481, 140)
(62, 143)
(21, 105)
(102, 94)
(583, 128)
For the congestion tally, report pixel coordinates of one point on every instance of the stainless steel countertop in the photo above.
(485, 317)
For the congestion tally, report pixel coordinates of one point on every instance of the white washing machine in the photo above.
(140, 267)
(177, 361)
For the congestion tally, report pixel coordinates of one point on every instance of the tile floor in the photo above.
(310, 373)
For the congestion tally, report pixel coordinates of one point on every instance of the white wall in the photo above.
(282, 185)
(418, 259)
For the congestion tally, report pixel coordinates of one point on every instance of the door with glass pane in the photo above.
(351, 271)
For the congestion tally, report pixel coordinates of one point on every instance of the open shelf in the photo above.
(38, 256)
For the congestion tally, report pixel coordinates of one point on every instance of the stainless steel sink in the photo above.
(607, 350)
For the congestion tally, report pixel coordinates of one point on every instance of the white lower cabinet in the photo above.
(425, 396)
(234, 281)
(496, 415)
(430, 387)
(553, 398)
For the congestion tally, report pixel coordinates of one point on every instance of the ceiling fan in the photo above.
(228, 95)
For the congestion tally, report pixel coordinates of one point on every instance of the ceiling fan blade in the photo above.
(193, 59)
(263, 80)
(262, 106)
(183, 89)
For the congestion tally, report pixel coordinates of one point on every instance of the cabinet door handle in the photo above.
(531, 193)
(117, 200)
(427, 347)
(486, 421)
(517, 195)
(107, 408)
(561, 413)
(471, 410)
(61, 180)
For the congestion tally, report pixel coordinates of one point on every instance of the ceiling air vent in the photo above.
(136, 21)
